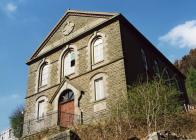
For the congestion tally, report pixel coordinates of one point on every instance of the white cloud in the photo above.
(182, 36)
(9, 97)
(15, 96)
(10, 7)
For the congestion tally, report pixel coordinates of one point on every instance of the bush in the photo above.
(16, 121)
(146, 108)
(191, 85)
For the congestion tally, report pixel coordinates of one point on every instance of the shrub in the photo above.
(16, 121)
(147, 107)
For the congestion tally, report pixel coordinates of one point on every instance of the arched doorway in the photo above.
(66, 108)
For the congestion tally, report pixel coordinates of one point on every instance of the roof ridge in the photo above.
(90, 12)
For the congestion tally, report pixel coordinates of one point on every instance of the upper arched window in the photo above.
(97, 50)
(68, 63)
(44, 75)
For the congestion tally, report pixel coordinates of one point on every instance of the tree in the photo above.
(16, 121)
(186, 62)
(148, 104)
(191, 84)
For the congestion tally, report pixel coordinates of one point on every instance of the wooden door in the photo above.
(66, 109)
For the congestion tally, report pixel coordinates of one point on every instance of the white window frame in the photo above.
(40, 112)
(44, 100)
(99, 89)
(97, 50)
(67, 68)
(44, 75)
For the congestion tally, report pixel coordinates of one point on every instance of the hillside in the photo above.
(186, 62)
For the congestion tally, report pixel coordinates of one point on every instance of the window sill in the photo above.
(40, 119)
(42, 87)
(100, 100)
(97, 63)
(69, 75)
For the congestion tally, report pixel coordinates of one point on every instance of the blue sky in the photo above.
(169, 25)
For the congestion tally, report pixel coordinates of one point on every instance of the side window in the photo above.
(97, 50)
(99, 89)
(167, 77)
(177, 84)
(43, 79)
(41, 107)
(69, 63)
(40, 113)
(156, 67)
(144, 59)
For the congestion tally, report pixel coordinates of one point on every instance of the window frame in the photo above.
(45, 109)
(101, 90)
(45, 65)
(41, 114)
(93, 54)
(71, 69)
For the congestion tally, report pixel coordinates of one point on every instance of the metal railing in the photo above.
(40, 124)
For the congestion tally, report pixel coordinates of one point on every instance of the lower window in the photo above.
(99, 89)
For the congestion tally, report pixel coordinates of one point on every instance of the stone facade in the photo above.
(117, 69)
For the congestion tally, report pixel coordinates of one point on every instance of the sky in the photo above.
(169, 24)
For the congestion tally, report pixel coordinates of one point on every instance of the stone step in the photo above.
(65, 135)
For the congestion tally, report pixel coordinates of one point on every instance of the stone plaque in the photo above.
(68, 28)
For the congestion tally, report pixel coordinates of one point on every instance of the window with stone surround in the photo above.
(68, 66)
(97, 50)
(44, 72)
(99, 89)
(41, 107)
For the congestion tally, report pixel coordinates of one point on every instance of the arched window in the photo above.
(41, 107)
(66, 96)
(167, 74)
(156, 67)
(144, 59)
(44, 75)
(177, 84)
(68, 63)
(97, 50)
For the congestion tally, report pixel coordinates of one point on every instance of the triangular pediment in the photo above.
(65, 84)
(71, 24)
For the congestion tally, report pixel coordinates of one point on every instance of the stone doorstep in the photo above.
(55, 129)
(61, 136)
